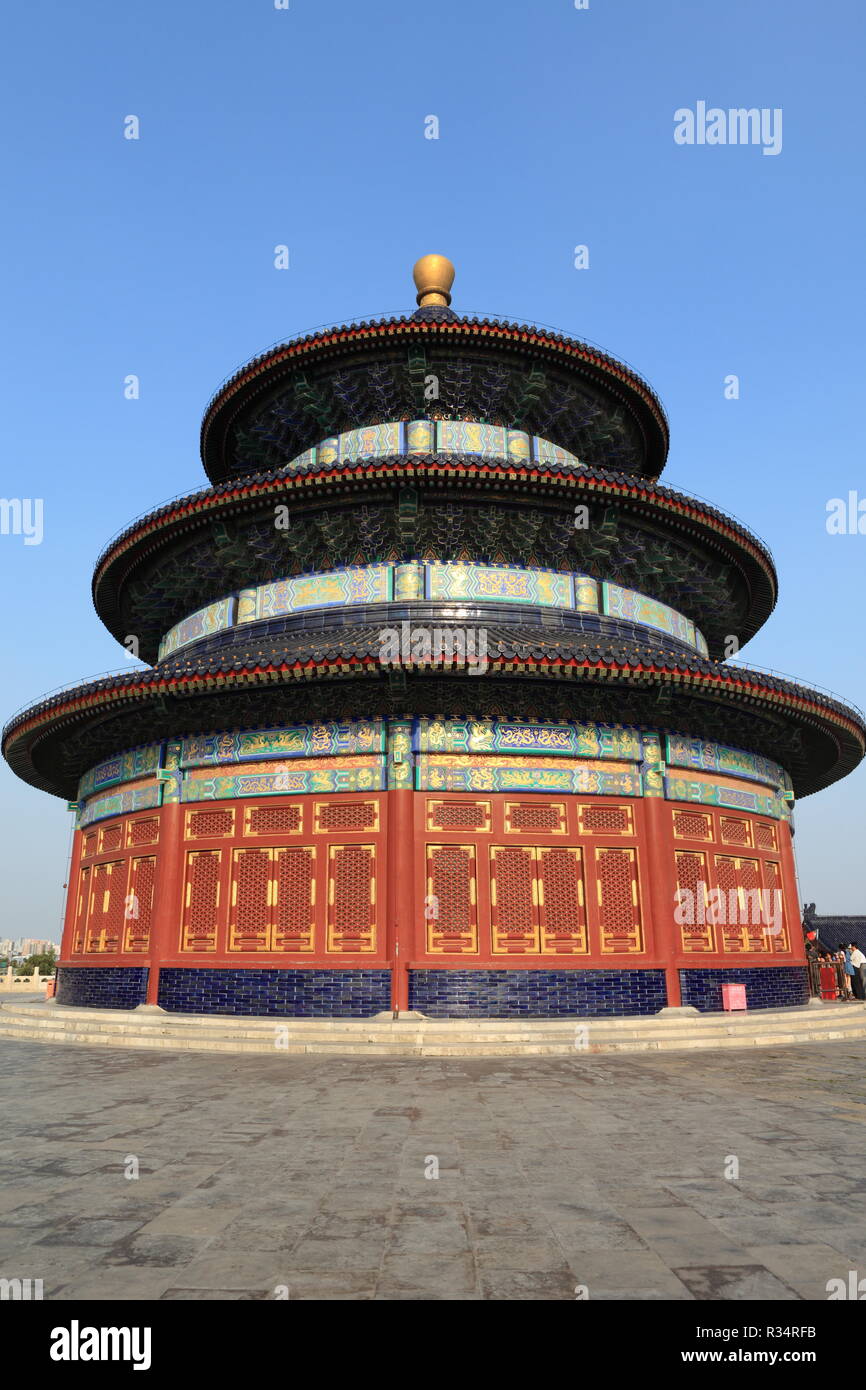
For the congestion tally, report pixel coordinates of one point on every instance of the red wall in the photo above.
(423, 879)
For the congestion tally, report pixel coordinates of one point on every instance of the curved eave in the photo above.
(173, 524)
(266, 371)
(89, 704)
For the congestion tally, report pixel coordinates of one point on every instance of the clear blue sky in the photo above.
(306, 127)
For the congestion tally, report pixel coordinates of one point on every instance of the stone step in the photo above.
(399, 1036)
(427, 1037)
(414, 1048)
(844, 1014)
(40, 1011)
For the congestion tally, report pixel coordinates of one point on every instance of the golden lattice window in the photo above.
(347, 815)
(139, 904)
(351, 893)
(351, 888)
(691, 871)
(210, 825)
(111, 837)
(143, 832)
(692, 825)
(513, 884)
(452, 882)
(735, 831)
(458, 815)
(202, 898)
(251, 880)
(273, 820)
(296, 888)
(108, 905)
(562, 883)
(773, 881)
(728, 879)
(752, 910)
(600, 820)
(726, 873)
(692, 877)
(616, 879)
(81, 911)
(545, 816)
(765, 835)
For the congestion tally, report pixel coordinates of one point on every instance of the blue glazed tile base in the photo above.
(768, 987)
(436, 993)
(281, 993)
(106, 987)
(536, 993)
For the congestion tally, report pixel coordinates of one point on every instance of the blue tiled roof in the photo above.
(834, 932)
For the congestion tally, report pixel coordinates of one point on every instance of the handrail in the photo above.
(674, 487)
(151, 511)
(73, 685)
(795, 680)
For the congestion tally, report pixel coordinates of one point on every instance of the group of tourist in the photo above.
(849, 965)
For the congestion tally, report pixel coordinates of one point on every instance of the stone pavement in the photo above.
(260, 1173)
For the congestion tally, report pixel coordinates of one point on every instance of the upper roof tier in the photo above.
(438, 364)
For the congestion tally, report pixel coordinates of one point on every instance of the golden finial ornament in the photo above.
(433, 276)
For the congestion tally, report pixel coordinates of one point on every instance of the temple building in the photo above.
(438, 716)
(833, 932)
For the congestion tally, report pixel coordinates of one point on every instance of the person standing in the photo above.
(848, 969)
(858, 960)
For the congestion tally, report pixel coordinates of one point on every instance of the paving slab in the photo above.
(310, 1174)
(740, 1282)
(635, 1275)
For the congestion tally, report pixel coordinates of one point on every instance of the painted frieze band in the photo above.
(297, 741)
(444, 582)
(489, 736)
(126, 767)
(637, 608)
(437, 755)
(712, 794)
(471, 437)
(333, 589)
(702, 756)
(120, 803)
(274, 779)
(453, 773)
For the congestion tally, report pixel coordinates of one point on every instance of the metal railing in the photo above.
(810, 685)
(129, 670)
(151, 512)
(730, 516)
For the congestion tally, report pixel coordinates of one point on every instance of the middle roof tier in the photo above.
(476, 494)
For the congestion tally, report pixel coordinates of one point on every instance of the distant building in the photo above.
(833, 932)
(31, 947)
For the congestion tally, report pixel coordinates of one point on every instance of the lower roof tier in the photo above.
(492, 672)
(443, 507)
